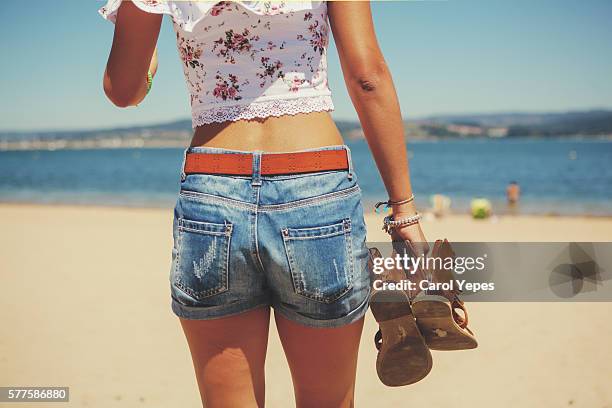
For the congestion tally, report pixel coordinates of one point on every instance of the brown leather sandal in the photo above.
(403, 357)
(441, 315)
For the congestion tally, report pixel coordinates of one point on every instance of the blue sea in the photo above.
(560, 176)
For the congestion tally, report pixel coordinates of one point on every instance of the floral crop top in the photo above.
(248, 59)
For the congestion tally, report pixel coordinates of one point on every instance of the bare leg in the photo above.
(323, 362)
(228, 357)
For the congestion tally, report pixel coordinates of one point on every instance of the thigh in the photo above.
(228, 357)
(323, 362)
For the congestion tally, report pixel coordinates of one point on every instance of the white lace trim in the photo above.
(263, 109)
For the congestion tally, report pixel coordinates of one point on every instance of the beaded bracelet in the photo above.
(387, 204)
(149, 81)
(389, 223)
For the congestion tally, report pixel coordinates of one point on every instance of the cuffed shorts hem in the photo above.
(347, 319)
(217, 312)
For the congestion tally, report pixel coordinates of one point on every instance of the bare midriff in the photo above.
(272, 134)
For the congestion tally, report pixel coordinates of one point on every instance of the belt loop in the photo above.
(256, 171)
(350, 162)
(183, 174)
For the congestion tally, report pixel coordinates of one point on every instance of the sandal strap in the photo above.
(378, 340)
(451, 295)
(462, 320)
(444, 275)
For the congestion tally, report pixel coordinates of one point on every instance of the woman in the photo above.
(269, 213)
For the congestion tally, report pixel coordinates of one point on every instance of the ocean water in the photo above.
(559, 176)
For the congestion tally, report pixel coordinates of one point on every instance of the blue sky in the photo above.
(450, 56)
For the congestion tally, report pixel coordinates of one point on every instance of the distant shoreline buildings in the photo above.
(591, 124)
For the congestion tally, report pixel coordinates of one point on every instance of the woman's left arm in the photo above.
(133, 53)
(373, 94)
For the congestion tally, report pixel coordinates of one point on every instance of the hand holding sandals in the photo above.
(413, 322)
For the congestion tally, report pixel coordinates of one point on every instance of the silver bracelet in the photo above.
(389, 222)
(387, 204)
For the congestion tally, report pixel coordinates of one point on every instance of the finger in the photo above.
(419, 248)
(424, 247)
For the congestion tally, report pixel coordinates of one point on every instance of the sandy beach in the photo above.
(84, 303)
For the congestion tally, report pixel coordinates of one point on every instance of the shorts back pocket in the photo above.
(202, 265)
(320, 260)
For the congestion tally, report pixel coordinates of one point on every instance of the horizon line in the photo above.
(405, 118)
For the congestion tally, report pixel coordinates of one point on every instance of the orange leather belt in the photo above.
(271, 163)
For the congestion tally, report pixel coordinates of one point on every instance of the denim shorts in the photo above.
(295, 242)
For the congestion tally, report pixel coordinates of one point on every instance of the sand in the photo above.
(84, 303)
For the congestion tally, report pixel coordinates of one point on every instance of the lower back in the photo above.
(272, 134)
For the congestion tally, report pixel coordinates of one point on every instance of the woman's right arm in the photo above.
(133, 53)
(373, 94)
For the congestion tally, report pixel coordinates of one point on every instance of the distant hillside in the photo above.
(175, 126)
(178, 133)
(591, 122)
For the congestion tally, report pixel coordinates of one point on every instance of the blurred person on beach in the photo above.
(513, 193)
(441, 205)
